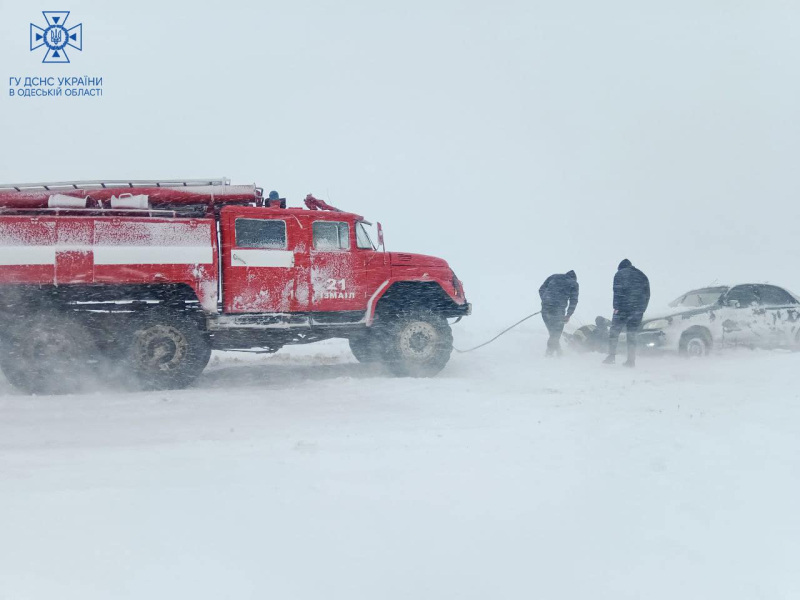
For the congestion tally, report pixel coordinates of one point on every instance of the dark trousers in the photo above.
(631, 321)
(554, 321)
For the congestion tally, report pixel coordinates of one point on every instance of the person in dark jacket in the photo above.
(274, 200)
(559, 293)
(631, 297)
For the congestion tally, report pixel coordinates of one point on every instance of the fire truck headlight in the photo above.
(456, 284)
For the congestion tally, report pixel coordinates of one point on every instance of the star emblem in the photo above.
(56, 37)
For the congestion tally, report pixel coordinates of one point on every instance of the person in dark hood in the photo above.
(631, 297)
(559, 293)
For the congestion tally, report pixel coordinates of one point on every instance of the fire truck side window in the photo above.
(331, 235)
(362, 238)
(260, 233)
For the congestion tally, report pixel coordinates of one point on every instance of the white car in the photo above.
(753, 315)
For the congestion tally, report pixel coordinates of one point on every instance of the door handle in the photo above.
(240, 259)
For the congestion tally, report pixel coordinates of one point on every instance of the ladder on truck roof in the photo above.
(112, 183)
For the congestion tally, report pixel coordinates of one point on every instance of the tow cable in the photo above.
(502, 333)
(498, 335)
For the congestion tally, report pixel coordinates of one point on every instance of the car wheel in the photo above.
(695, 343)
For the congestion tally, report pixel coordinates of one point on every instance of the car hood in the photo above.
(406, 259)
(680, 312)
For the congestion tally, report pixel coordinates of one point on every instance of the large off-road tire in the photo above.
(168, 350)
(367, 347)
(417, 344)
(695, 343)
(47, 354)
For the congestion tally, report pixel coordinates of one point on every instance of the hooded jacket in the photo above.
(558, 291)
(631, 289)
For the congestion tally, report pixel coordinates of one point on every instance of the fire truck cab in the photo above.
(146, 278)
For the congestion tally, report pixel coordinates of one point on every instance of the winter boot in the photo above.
(631, 362)
(610, 360)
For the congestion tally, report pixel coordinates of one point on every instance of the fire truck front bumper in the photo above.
(460, 311)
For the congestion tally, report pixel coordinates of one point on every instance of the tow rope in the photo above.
(498, 335)
(502, 333)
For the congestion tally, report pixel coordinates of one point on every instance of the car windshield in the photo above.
(701, 297)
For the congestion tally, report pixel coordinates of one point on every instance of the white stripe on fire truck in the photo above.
(109, 255)
(152, 255)
(262, 258)
(27, 255)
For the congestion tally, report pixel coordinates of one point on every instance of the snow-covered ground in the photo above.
(307, 475)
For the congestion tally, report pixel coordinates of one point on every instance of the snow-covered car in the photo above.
(753, 315)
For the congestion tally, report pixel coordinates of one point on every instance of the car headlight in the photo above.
(657, 324)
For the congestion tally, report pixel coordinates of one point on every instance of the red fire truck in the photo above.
(143, 279)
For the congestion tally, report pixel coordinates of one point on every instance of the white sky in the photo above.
(514, 139)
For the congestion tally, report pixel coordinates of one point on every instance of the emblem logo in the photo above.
(56, 37)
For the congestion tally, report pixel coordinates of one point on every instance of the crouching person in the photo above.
(559, 293)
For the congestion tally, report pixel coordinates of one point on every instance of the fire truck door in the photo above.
(337, 270)
(262, 263)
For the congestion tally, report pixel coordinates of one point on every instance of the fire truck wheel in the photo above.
(418, 345)
(168, 351)
(366, 347)
(47, 354)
